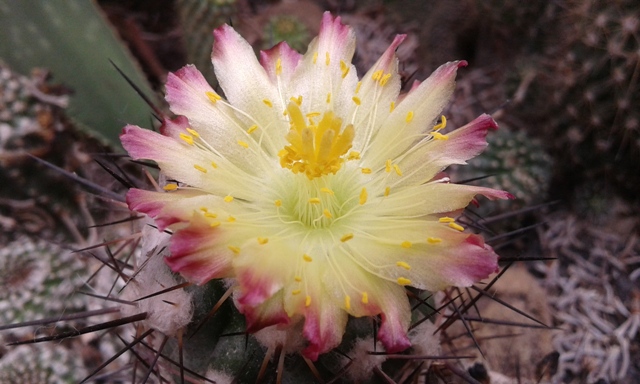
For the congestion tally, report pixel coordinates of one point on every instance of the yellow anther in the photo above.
(262, 240)
(200, 168)
(365, 298)
(387, 166)
(434, 240)
(298, 100)
(329, 98)
(315, 57)
(377, 75)
(214, 165)
(204, 209)
(456, 226)
(228, 199)
(214, 224)
(327, 214)
(387, 191)
(409, 117)
(366, 171)
(296, 291)
(396, 168)
(327, 58)
(187, 138)
(268, 103)
(363, 196)
(442, 124)
(404, 265)
(298, 279)
(307, 301)
(170, 187)
(314, 200)
(210, 215)
(406, 244)
(278, 203)
(213, 97)
(347, 302)
(439, 136)
(446, 219)
(358, 87)
(344, 68)
(193, 132)
(234, 249)
(231, 219)
(327, 191)
(353, 155)
(385, 79)
(252, 129)
(278, 66)
(243, 144)
(356, 100)
(392, 106)
(346, 237)
(307, 258)
(403, 281)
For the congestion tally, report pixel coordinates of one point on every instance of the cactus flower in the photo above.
(320, 194)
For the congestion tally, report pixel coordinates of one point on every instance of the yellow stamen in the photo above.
(263, 240)
(234, 249)
(307, 301)
(347, 302)
(439, 136)
(434, 240)
(231, 219)
(353, 155)
(297, 279)
(392, 106)
(365, 298)
(214, 224)
(314, 200)
(200, 168)
(327, 191)
(268, 103)
(193, 132)
(344, 68)
(404, 265)
(384, 79)
(296, 291)
(442, 124)
(387, 166)
(204, 209)
(187, 138)
(327, 214)
(346, 237)
(396, 168)
(252, 129)
(278, 66)
(377, 75)
(356, 100)
(446, 219)
(328, 97)
(214, 165)
(228, 199)
(403, 281)
(366, 171)
(210, 215)
(409, 116)
(358, 87)
(363, 196)
(327, 59)
(406, 244)
(243, 144)
(456, 226)
(315, 57)
(297, 100)
(387, 190)
(213, 97)
(278, 203)
(170, 187)
(307, 258)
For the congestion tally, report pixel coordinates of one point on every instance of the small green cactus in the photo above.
(286, 28)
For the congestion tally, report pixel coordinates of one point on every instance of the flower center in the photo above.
(315, 149)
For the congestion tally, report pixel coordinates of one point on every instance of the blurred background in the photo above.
(562, 78)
